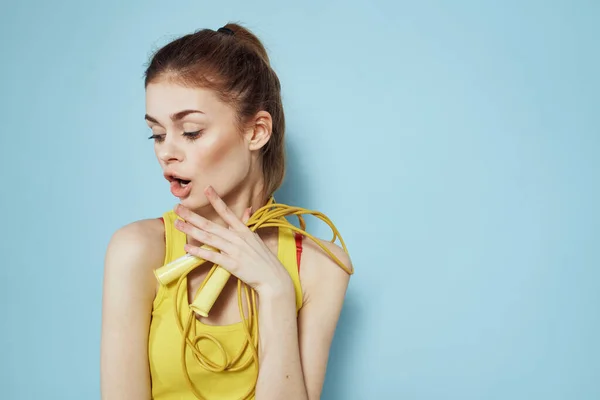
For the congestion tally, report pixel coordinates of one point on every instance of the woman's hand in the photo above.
(242, 252)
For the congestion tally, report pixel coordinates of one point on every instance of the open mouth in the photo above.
(182, 182)
(180, 186)
(174, 178)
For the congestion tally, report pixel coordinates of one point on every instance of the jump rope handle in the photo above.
(206, 297)
(208, 294)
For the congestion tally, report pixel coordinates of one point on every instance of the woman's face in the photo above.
(197, 140)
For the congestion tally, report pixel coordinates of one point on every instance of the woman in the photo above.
(213, 104)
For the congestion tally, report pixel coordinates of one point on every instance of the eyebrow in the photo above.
(175, 117)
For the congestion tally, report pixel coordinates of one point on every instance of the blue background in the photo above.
(456, 145)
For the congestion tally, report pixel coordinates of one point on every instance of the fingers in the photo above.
(225, 212)
(247, 235)
(215, 257)
(203, 224)
(247, 215)
(227, 240)
(206, 237)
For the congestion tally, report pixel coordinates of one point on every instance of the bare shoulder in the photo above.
(137, 247)
(127, 295)
(319, 272)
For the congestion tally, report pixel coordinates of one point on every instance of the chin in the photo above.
(194, 202)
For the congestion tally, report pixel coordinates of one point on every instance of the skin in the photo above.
(227, 180)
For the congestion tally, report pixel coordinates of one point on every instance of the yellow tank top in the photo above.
(165, 341)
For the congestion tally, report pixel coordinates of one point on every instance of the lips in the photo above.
(180, 186)
(180, 190)
(175, 177)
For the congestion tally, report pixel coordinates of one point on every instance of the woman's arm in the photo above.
(280, 368)
(128, 292)
(324, 284)
(294, 353)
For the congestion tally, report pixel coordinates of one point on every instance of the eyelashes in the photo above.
(191, 136)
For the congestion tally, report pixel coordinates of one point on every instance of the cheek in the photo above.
(219, 155)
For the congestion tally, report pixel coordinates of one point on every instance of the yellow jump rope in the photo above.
(270, 215)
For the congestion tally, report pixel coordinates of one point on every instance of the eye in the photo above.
(188, 135)
(192, 135)
(157, 138)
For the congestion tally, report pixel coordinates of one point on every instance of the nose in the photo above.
(169, 150)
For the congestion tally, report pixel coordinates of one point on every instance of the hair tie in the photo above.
(226, 31)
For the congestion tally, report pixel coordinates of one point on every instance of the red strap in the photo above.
(298, 248)
(163, 221)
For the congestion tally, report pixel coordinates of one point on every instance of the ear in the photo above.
(259, 130)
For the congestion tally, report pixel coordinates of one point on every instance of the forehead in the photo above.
(164, 98)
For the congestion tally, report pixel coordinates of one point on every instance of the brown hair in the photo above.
(234, 63)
